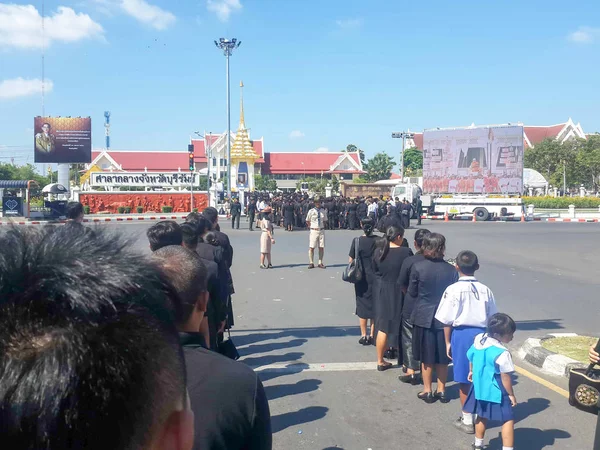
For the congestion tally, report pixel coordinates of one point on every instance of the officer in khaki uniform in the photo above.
(315, 221)
(44, 141)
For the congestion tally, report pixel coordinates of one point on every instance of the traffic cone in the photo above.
(522, 216)
(474, 218)
(446, 219)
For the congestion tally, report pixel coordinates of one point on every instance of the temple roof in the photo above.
(242, 147)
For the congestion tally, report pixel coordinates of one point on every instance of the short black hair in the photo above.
(89, 353)
(501, 324)
(211, 214)
(420, 235)
(467, 262)
(74, 210)
(187, 274)
(201, 223)
(434, 246)
(189, 232)
(161, 234)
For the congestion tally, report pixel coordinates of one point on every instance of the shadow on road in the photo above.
(531, 439)
(534, 325)
(530, 408)
(304, 415)
(283, 390)
(264, 348)
(257, 335)
(272, 359)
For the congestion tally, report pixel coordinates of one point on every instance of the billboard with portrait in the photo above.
(63, 139)
(484, 160)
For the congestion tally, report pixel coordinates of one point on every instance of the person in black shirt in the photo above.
(288, 215)
(364, 288)
(231, 411)
(251, 208)
(236, 212)
(406, 356)
(419, 209)
(362, 210)
(428, 281)
(388, 295)
(352, 214)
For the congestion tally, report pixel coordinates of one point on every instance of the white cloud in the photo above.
(21, 26)
(322, 150)
(149, 14)
(20, 87)
(223, 8)
(348, 24)
(296, 134)
(584, 35)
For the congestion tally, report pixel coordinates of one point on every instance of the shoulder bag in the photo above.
(584, 388)
(354, 272)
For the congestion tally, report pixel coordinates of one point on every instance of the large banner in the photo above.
(487, 160)
(145, 179)
(63, 139)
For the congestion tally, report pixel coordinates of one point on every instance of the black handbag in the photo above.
(227, 348)
(584, 388)
(354, 272)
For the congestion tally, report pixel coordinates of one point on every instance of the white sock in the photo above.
(478, 442)
(507, 448)
(467, 418)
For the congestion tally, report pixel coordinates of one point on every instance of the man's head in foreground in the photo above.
(89, 354)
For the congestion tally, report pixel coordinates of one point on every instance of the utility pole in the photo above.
(228, 45)
(402, 135)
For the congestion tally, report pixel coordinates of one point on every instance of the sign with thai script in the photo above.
(145, 179)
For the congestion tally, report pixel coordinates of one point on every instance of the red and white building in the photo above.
(532, 135)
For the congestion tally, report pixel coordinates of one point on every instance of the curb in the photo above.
(96, 220)
(573, 220)
(550, 362)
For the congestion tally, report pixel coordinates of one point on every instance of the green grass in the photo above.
(573, 347)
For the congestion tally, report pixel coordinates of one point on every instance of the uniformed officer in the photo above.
(315, 221)
(44, 141)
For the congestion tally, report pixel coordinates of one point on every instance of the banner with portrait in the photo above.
(62, 139)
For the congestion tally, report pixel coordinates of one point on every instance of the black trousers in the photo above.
(251, 221)
(235, 221)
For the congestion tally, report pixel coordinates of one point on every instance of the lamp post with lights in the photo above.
(228, 45)
(402, 135)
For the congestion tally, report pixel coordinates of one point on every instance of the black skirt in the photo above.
(429, 345)
(364, 300)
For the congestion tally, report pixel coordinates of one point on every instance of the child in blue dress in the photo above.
(491, 396)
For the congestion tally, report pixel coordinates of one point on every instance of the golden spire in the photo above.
(242, 121)
(242, 148)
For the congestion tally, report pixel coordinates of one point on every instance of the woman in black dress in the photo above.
(388, 261)
(363, 289)
(406, 356)
(288, 215)
(428, 281)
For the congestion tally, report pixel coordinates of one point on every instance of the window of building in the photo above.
(345, 176)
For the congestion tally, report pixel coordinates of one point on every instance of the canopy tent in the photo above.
(533, 179)
(14, 184)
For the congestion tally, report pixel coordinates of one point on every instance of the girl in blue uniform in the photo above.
(491, 396)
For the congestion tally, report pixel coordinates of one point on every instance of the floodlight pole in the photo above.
(228, 45)
(402, 135)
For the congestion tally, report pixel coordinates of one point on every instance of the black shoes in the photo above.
(441, 396)
(363, 341)
(413, 379)
(427, 397)
(390, 353)
(370, 341)
(384, 367)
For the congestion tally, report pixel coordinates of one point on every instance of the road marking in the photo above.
(316, 367)
(546, 383)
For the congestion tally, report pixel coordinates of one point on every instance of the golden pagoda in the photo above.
(243, 155)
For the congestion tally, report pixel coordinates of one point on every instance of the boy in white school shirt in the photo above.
(464, 310)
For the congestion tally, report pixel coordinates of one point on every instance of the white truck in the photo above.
(470, 171)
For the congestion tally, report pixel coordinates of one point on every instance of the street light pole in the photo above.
(402, 135)
(228, 45)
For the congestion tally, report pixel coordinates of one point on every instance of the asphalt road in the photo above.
(297, 328)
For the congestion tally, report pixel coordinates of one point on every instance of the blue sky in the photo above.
(318, 74)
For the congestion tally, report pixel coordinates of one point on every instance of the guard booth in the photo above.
(15, 195)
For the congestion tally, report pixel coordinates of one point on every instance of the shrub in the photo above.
(140, 209)
(562, 202)
(167, 209)
(127, 210)
(86, 209)
(121, 209)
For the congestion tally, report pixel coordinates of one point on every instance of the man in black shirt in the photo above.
(231, 411)
(236, 212)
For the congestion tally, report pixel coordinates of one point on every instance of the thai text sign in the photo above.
(145, 179)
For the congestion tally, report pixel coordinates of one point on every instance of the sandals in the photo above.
(383, 367)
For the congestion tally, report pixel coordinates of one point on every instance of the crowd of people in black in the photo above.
(289, 211)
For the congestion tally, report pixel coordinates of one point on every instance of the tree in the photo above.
(351, 148)
(379, 167)
(589, 162)
(335, 183)
(265, 183)
(26, 172)
(413, 161)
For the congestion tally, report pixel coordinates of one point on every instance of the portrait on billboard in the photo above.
(62, 139)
